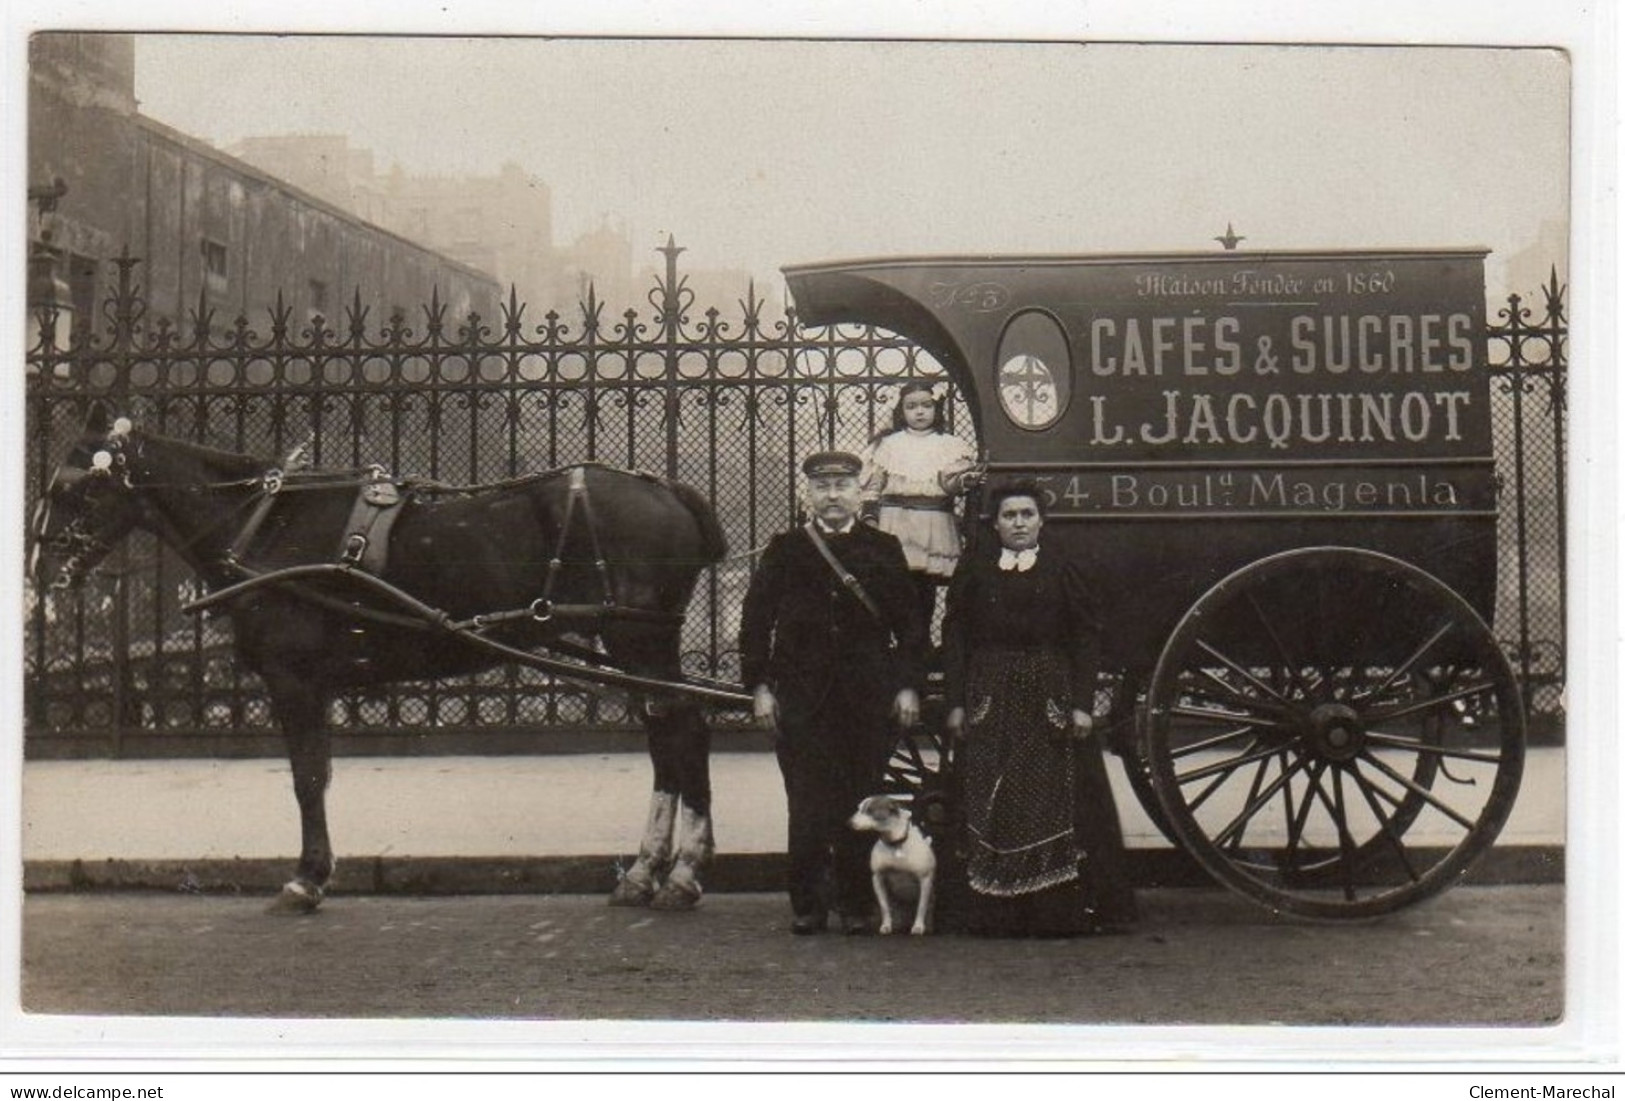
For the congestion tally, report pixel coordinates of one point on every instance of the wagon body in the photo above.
(1189, 414)
(1279, 470)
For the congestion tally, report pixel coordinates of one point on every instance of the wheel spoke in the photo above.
(1366, 787)
(1316, 789)
(1219, 692)
(1415, 789)
(1421, 706)
(1294, 836)
(1404, 667)
(1224, 767)
(1288, 666)
(1241, 672)
(916, 759)
(1345, 841)
(1377, 789)
(1390, 741)
(1252, 793)
(1216, 740)
(1254, 805)
(1205, 715)
(1287, 810)
(1193, 805)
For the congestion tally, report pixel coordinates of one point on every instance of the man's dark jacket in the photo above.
(802, 629)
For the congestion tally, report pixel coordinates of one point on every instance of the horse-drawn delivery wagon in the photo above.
(1279, 469)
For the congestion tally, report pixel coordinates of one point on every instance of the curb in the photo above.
(503, 875)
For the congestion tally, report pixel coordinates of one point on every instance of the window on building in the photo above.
(214, 264)
(83, 273)
(318, 299)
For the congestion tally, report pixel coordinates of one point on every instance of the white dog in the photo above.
(901, 863)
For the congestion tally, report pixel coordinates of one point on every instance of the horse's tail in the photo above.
(712, 539)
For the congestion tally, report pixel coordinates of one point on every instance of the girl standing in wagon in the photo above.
(911, 476)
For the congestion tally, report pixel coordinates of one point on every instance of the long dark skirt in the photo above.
(1045, 849)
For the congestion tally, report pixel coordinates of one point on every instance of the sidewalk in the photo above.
(556, 822)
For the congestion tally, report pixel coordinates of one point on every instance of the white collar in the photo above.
(1020, 561)
(827, 530)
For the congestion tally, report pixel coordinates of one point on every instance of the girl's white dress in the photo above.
(903, 471)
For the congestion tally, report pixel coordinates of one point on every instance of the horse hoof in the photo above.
(675, 896)
(296, 898)
(632, 892)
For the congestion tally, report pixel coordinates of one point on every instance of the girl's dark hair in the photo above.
(998, 494)
(918, 386)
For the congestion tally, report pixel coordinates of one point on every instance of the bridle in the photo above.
(77, 545)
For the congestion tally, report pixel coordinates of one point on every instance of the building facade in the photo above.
(502, 223)
(211, 230)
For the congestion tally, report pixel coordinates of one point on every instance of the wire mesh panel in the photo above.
(1529, 361)
(725, 400)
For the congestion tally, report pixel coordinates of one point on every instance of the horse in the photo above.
(471, 577)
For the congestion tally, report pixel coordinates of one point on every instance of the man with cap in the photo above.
(832, 649)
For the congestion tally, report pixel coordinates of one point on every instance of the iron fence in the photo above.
(724, 404)
(1528, 355)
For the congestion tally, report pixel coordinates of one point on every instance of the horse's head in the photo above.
(88, 507)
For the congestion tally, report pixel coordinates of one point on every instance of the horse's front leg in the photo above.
(300, 712)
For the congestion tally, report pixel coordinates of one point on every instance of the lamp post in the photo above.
(49, 299)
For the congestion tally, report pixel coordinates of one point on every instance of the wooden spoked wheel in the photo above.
(1334, 733)
(920, 771)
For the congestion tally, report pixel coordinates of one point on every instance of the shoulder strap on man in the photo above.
(853, 585)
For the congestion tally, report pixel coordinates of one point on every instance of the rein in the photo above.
(471, 630)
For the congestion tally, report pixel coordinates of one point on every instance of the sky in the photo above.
(760, 153)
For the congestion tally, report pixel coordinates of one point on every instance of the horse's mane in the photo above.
(210, 456)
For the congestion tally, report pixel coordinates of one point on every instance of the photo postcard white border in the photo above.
(1589, 1036)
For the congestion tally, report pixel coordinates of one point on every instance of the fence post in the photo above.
(671, 316)
(128, 311)
(1556, 333)
(1518, 382)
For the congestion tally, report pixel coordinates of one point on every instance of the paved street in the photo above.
(1474, 956)
(152, 879)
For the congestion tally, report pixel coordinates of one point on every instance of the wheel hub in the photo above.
(1336, 732)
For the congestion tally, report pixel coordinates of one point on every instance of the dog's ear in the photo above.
(883, 805)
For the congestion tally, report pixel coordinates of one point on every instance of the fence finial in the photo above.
(1229, 239)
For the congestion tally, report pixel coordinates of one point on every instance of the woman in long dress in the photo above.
(1021, 654)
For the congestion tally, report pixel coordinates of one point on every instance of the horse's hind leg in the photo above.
(299, 710)
(638, 884)
(685, 744)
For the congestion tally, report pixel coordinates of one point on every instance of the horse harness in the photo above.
(362, 554)
(363, 551)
